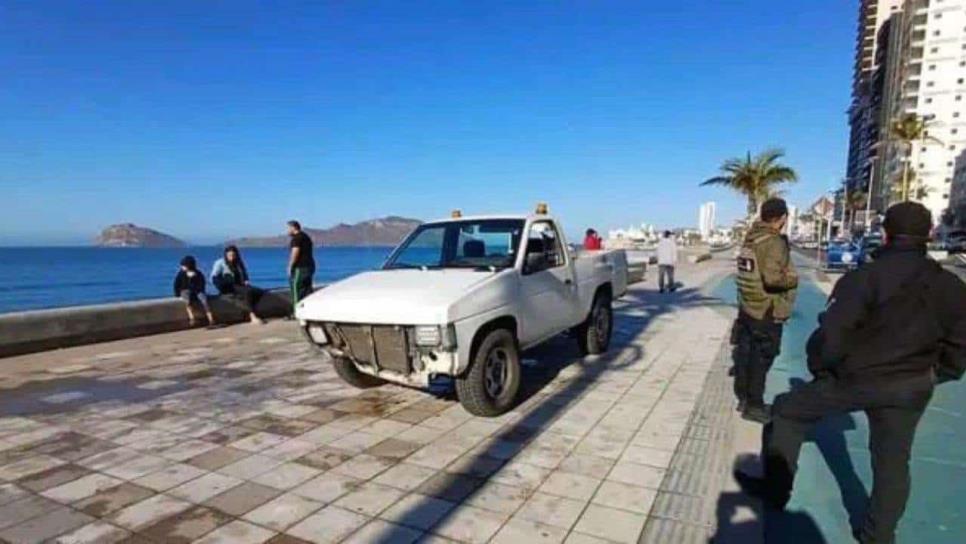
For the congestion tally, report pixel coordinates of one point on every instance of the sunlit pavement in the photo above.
(245, 435)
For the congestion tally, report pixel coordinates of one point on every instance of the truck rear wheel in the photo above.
(593, 335)
(347, 370)
(489, 387)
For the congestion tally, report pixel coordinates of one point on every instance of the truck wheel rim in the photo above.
(602, 323)
(495, 373)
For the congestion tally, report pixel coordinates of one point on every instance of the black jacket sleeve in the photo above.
(847, 309)
(178, 283)
(952, 356)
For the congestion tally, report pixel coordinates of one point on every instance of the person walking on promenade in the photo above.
(189, 286)
(230, 277)
(667, 258)
(301, 262)
(767, 284)
(892, 330)
(592, 241)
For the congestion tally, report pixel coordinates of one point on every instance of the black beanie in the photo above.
(910, 219)
(189, 262)
(773, 208)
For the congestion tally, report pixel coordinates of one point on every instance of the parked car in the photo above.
(459, 299)
(842, 255)
(869, 244)
(955, 241)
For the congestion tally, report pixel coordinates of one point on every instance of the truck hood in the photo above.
(403, 297)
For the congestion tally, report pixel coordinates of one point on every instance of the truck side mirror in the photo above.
(535, 262)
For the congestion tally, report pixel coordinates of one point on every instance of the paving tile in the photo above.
(321, 416)
(327, 487)
(46, 526)
(226, 435)
(370, 499)
(324, 458)
(587, 465)
(26, 508)
(217, 458)
(185, 527)
(60, 475)
(243, 498)
(363, 466)
(188, 449)
(283, 512)
(470, 524)
(135, 468)
(648, 456)
(10, 493)
(201, 489)
(170, 476)
(573, 486)
(393, 448)
(82, 488)
(580, 538)
(451, 487)
(250, 466)
(626, 497)
(331, 524)
(635, 474)
(258, 442)
(286, 539)
(237, 532)
(113, 498)
(383, 532)
(97, 532)
(29, 466)
(521, 475)
(290, 450)
(552, 510)
(519, 530)
(286, 476)
(149, 511)
(405, 476)
(419, 511)
(611, 524)
(498, 497)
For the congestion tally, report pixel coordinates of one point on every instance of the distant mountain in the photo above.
(387, 231)
(131, 235)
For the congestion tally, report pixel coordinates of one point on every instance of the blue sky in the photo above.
(215, 119)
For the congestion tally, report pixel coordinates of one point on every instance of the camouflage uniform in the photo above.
(767, 284)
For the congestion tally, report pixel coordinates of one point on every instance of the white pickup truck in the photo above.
(461, 298)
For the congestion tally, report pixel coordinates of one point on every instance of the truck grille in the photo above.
(380, 346)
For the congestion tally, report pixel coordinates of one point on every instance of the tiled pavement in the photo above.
(195, 440)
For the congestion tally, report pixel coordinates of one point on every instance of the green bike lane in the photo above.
(835, 476)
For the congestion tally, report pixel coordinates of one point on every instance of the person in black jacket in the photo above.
(892, 330)
(189, 286)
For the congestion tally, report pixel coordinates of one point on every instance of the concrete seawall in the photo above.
(39, 330)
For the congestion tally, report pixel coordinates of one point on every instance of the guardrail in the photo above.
(41, 330)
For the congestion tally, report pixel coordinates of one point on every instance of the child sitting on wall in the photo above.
(189, 286)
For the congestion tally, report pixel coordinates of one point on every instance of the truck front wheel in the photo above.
(489, 387)
(593, 335)
(347, 370)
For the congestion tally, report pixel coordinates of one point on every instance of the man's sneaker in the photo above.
(758, 487)
(757, 413)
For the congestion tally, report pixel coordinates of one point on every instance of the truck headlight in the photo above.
(847, 257)
(433, 336)
(317, 333)
(428, 336)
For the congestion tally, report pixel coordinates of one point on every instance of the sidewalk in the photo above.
(244, 435)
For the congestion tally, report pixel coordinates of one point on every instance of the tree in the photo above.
(908, 130)
(755, 177)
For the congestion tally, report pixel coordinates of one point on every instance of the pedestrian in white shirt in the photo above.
(667, 257)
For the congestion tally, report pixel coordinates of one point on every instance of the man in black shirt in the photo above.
(301, 263)
(892, 330)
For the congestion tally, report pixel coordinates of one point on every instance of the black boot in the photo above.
(760, 488)
(759, 413)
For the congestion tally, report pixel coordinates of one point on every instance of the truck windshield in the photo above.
(477, 244)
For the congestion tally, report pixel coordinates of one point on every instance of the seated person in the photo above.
(230, 276)
(189, 286)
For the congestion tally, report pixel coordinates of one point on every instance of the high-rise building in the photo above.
(791, 225)
(706, 220)
(923, 74)
(957, 198)
(867, 88)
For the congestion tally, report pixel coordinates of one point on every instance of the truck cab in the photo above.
(460, 298)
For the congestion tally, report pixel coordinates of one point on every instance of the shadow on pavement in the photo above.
(634, 313)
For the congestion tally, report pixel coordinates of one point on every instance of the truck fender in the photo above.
(504, 322)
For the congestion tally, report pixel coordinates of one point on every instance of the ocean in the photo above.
(52, 277)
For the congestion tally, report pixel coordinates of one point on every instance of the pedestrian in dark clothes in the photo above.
(892, 330)
(189, 286)
(301, 263)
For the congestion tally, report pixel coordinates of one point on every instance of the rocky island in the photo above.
(385, 231)
(131, 235)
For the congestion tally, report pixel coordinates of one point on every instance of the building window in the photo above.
(946, 196)
(954, 131)
(929, 101)
(936, 32)
(934, 50)
(955, 114)
(960, 81)
(959, 97)
(930, 83)
(932, 66)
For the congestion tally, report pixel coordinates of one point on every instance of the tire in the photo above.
(593, 335)
(347, 370)
(489, 387)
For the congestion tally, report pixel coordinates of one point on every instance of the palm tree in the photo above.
(755, 177)
(907, 130)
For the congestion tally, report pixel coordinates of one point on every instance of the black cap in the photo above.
(773, 208)
(189, 262)
(909, 219)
